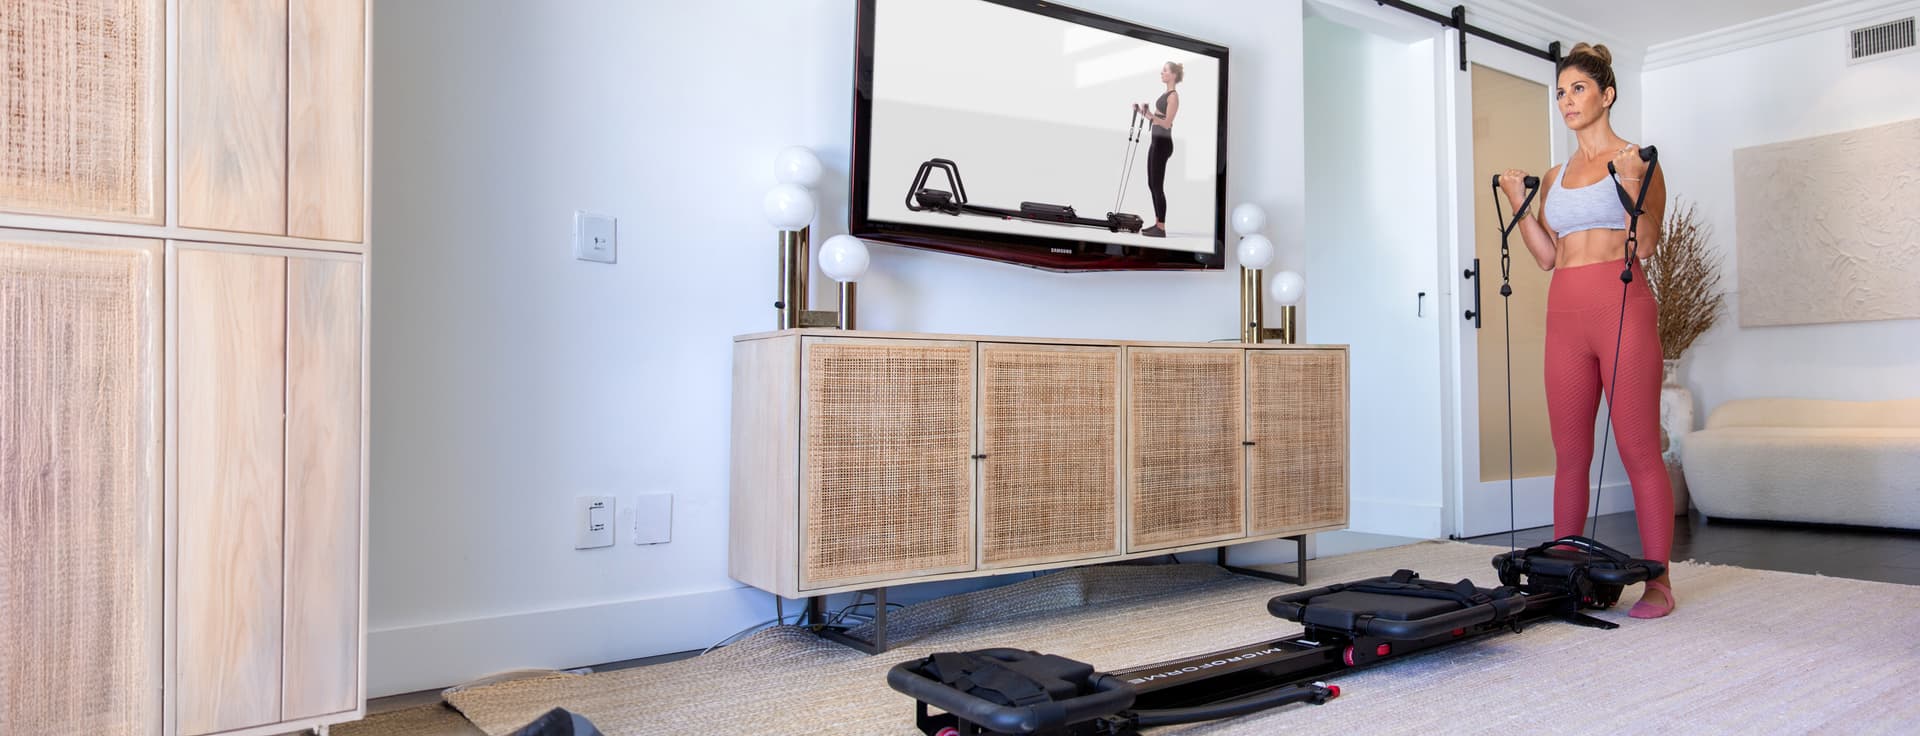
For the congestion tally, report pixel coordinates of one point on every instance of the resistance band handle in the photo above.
(1648, 154)
(1531, 182)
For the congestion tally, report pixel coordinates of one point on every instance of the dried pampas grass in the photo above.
(1684, 276)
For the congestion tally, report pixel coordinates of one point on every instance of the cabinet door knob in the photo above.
(1248, 443)
(981, 456)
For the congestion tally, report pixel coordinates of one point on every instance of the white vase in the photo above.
(1676, 420)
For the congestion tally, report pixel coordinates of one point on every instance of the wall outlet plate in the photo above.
(595, 237)
(653, 519)
(594, 522)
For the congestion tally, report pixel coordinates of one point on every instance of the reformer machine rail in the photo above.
(1346, 626)
(953, 200)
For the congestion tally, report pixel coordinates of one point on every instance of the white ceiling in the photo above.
(1649, 22)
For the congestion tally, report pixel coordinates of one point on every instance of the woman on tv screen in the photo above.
(1161, 114)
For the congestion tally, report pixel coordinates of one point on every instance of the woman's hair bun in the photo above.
(1599, 52)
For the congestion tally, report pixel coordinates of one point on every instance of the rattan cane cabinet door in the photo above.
(81, 133)
(1185, 414)
(886, 480)
(1050, 433)
(80, 485)
(1297, 414)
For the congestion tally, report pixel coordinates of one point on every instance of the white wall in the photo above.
(1698, 112)
(509, 378)
(1372, 220)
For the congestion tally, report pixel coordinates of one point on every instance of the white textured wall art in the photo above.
(1829, 227)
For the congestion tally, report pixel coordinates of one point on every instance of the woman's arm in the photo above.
(1539, 241)
(1173, 108)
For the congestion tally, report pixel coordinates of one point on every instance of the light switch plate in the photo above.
(595, 237)
(595, 522)
(653, 519)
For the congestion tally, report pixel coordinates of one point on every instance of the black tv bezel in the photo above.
(1050, 253)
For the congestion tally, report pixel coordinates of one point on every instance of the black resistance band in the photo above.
(1506, 227)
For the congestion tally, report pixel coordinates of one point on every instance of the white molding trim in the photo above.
(409, 659)
(1533, 503)
(1531, 24)
(1528, 19)
(1812, 19)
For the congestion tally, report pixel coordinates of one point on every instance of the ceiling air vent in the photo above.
(1881, 39)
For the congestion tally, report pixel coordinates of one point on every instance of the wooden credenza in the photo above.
(864, 460)
(183, 311)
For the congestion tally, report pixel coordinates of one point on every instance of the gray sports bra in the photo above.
(1592, 207)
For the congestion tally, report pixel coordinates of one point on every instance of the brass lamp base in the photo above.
(795, 266)
(1253, 327)
(794, 269)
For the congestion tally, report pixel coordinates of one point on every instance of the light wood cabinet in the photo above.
(1186, 483)
(321, 674)
(1050, 441)
(182, 380)
(261, 112)
(886, 459)
(272, 117)
(231, 383)
(268, 488)
(1297, 427)
(233, 115)
(863, 460)
(326, 126)
(81, 525)
(81, 134)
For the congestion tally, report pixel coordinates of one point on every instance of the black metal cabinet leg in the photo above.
(1300, 570)
(817, 621)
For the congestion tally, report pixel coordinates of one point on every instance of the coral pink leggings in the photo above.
(1583, 317)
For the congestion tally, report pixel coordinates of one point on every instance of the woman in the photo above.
(1582, 237)
(1161, 114)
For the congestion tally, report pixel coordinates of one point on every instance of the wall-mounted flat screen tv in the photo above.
(1038, 134)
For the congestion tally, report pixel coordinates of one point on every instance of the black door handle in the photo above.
(1473, 275)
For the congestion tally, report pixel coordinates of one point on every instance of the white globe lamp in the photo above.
(797, 165)
(843, 258)
(1248, 218)
(788, 206)
(1287, 288)
(1255, 251)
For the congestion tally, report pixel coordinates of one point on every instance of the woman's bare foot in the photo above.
(1657, 600)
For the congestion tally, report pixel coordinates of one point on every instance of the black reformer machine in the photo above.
(953, 199)
(1346, 626)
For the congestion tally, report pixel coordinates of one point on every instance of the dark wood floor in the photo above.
(1844, 552)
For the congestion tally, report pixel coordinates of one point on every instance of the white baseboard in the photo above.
(1533, 505)
(408, 659)
(414, 658)
(1394, 518)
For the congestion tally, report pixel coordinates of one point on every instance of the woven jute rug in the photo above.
(1748, 651)
(426, 720)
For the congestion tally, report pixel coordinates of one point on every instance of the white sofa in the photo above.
(1807, 460)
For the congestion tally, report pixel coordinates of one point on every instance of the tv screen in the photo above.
(1038, 134)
